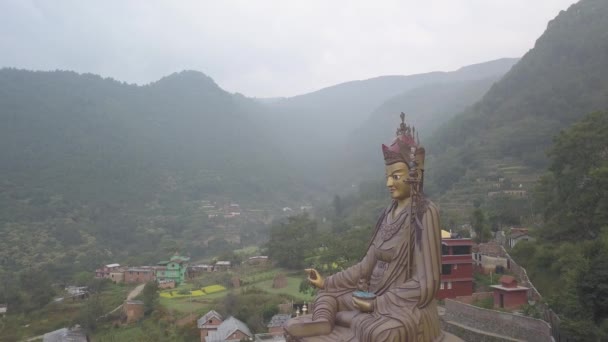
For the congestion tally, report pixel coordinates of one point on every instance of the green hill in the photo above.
(557, 82)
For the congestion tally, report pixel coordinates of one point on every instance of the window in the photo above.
(441, 286)
(461, 250)
(455, 266)
(445, 250)
(449, 285)
(446, 269)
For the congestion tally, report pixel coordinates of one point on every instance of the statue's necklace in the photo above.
(389, 227)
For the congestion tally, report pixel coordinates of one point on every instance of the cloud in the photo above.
(267, 48)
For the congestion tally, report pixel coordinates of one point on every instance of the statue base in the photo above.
(344, 334)
(338, 334)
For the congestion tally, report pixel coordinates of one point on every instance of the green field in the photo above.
(292, 289)
(205, 291)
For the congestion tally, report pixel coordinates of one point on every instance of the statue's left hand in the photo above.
(364, 305)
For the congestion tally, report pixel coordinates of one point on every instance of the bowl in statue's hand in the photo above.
(364, 295)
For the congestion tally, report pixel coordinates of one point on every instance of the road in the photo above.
(134, 293)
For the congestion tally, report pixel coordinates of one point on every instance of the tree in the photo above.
(150, 297)
(90, 313)
(572, 194)
(478, 222)
(292, 241)
(338, 206)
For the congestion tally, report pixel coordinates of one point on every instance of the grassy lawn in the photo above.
(185, 305)
(258, 276)
(126, 333)
(249, 250)
(292, 288)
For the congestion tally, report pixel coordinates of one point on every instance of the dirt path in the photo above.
(134, 293)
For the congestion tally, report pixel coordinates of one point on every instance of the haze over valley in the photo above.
(96, 171)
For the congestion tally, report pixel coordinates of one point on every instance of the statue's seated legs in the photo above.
(330, 311)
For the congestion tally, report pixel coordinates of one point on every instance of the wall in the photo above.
(141, 276)
(501, 323)
(459, 288)
(511, 299)
(474, 297)
(134, 310)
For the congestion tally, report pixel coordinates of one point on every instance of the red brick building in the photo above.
(208, 323)
(104, 271)
(508, 295)
(138, 275)
(456, 268)
(134, 310)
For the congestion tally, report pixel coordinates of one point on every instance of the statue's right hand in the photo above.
(315, 278)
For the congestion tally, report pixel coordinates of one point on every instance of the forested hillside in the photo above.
(96, 171)
(319, 124)
(569, 260)
(86, 138)
(557, 82)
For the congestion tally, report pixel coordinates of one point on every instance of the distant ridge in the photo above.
(563, 78)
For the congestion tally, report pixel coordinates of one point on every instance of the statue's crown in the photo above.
(405, 148)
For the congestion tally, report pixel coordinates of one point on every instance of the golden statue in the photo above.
(390, 294)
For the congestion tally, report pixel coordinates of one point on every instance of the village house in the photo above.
(138, 275)
(509, 295)
(209, 323)
(77, 292)
(230, 330)
(197, 270)
(258, 260)
(456, 267)
(222, 266)
(516, 235)
(275, 326)
(490, 258)
(175, 269)
(105, 271)
(117, 277)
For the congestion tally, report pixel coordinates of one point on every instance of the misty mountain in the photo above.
(561, 79)
(313, 123)
(426, 107)
(90, 138)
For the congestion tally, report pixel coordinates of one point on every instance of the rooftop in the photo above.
(278, 320)
(206, 317)
(227, 328)
(66, 335)
(457, 242)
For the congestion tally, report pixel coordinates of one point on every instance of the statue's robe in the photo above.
(402, 264)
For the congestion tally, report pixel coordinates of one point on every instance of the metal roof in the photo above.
(206, 317)
(227, 328)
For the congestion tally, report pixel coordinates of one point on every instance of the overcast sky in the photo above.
(267, 48)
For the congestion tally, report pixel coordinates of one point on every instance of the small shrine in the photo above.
(509, 295)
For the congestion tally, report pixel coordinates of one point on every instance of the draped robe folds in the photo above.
(403, 268)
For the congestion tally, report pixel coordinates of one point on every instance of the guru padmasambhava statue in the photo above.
(390, 294)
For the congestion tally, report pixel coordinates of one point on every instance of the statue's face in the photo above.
(396, 176)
